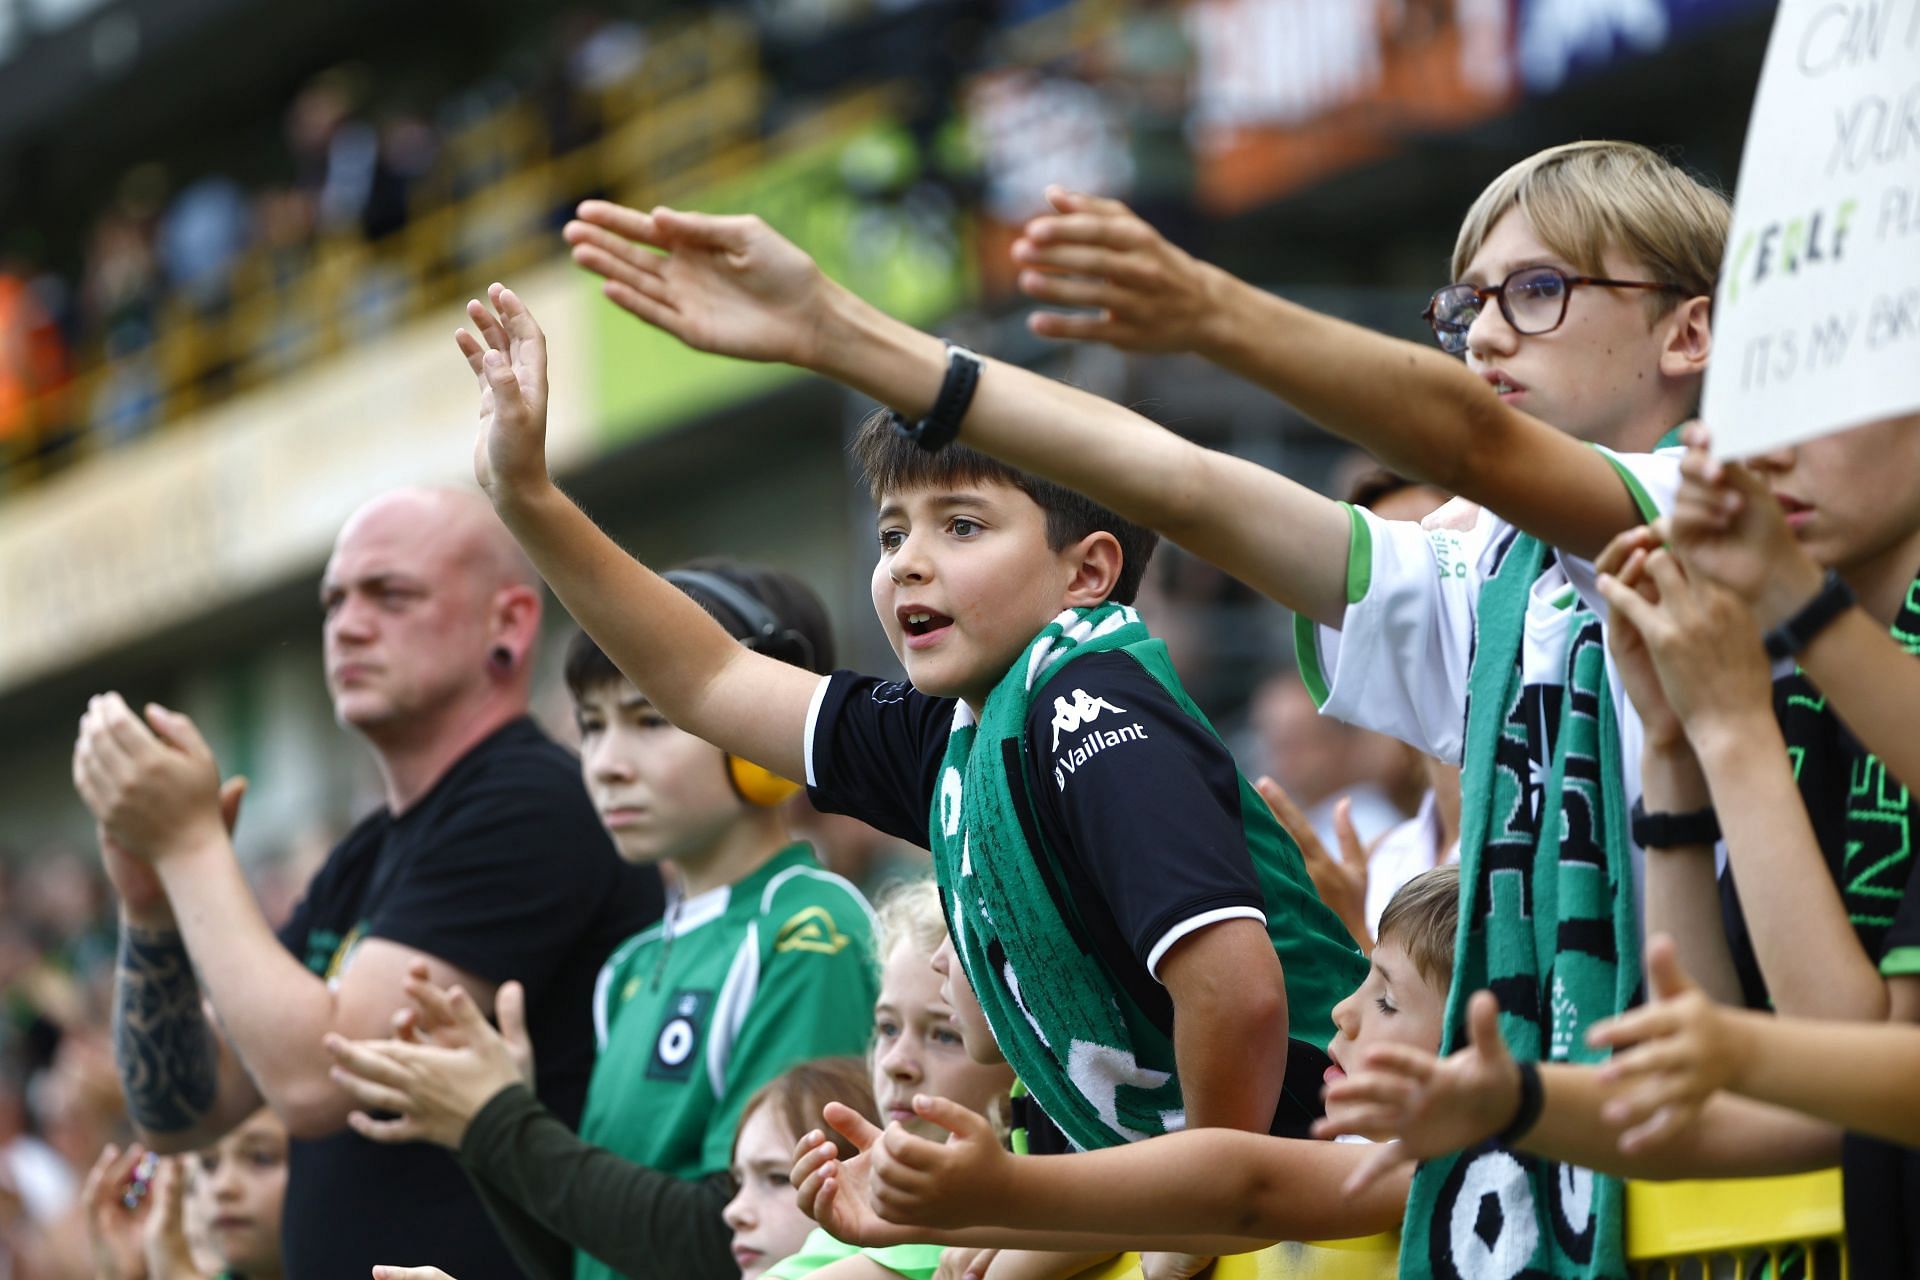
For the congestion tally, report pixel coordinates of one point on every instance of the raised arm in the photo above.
(732, 285)
(1672, 1054)
(1429, 1106)
(1714, 671)
(1186, 1192)
(1727, 526)
(1682, 890)
(1417, 410)
(155, 788)
(699, 677)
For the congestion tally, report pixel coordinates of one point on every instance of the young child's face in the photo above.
(661, 792)
(968, 1017)
(964, 582)
(917, 1047)
(234, 1190)
(1852, 496)
(764, 1213)
(1595, 374)
(1396, 1004)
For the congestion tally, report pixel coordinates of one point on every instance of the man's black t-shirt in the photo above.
(1137, 800)
(502, 870)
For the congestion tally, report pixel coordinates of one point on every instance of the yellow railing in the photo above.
(1739, 1229)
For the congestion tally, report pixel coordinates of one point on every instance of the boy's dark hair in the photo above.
(801, 1093)
(890, 464)
(804, 636)
(1423, 917)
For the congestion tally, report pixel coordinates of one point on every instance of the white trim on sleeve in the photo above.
(1193, 924)
(813, 723)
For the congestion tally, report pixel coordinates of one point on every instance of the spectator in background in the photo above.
(202, 232)
(486, 863)
(1321, 762)
(33, 356)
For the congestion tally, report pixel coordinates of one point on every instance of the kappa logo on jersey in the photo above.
(1072, 717)
(811, 929)
(677, 1044)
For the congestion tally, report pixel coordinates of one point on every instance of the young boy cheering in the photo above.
(1145, 939)
(1585, 276)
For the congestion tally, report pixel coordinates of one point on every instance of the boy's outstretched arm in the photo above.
(1672, 1054)
(686, 664)
(1210, 1191)
(1429, 1106)
(1417, 410)
(732, 285)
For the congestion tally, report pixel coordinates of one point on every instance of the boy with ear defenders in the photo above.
(764, 960)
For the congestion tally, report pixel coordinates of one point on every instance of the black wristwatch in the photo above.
(937, 430)
(1834, 598)
(1672, 830)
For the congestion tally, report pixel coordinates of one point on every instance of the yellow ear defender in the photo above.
(758, 786)
(765, 633)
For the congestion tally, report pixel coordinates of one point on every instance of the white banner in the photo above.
(1817, 322)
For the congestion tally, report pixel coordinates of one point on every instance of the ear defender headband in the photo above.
(765, 634)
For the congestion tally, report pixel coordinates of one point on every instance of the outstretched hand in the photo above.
(1131, 286)
(1671, 1055)
(508, 355)
(957, 1182)
(1419, 1105)
(726, 284)
(835, 1192)
(434, 1090)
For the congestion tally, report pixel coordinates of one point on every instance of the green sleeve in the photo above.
(644, 1224)
(815, 999)
(914, 1261)
(1306, 645)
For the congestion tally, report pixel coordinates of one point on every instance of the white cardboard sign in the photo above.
(1817, 320)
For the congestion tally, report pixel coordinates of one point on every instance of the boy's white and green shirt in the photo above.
(1398, 663)
(736, 985)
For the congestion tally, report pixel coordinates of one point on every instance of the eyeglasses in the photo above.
(1533, 300)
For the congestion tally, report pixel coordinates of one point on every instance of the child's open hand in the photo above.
(955, 1183)
(1728, 526)
(1137, 291)
(731, 285)
(834, 1192)
(1420, 1105)
(508, 355)
(1676, 1052)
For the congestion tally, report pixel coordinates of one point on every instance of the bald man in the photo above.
(486, 863)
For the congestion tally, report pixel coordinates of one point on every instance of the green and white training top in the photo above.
(694, 1014)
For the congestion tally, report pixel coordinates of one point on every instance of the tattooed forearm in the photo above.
(169, 1064)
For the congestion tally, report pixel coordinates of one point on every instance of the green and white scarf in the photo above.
(1547, 921)
(1104, 1077)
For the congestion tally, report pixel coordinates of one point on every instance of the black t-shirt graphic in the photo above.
(503, 870)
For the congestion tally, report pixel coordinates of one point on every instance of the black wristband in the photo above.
(1834, 598)
(1670, 830)
(1531, 1102)
(937, 430)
